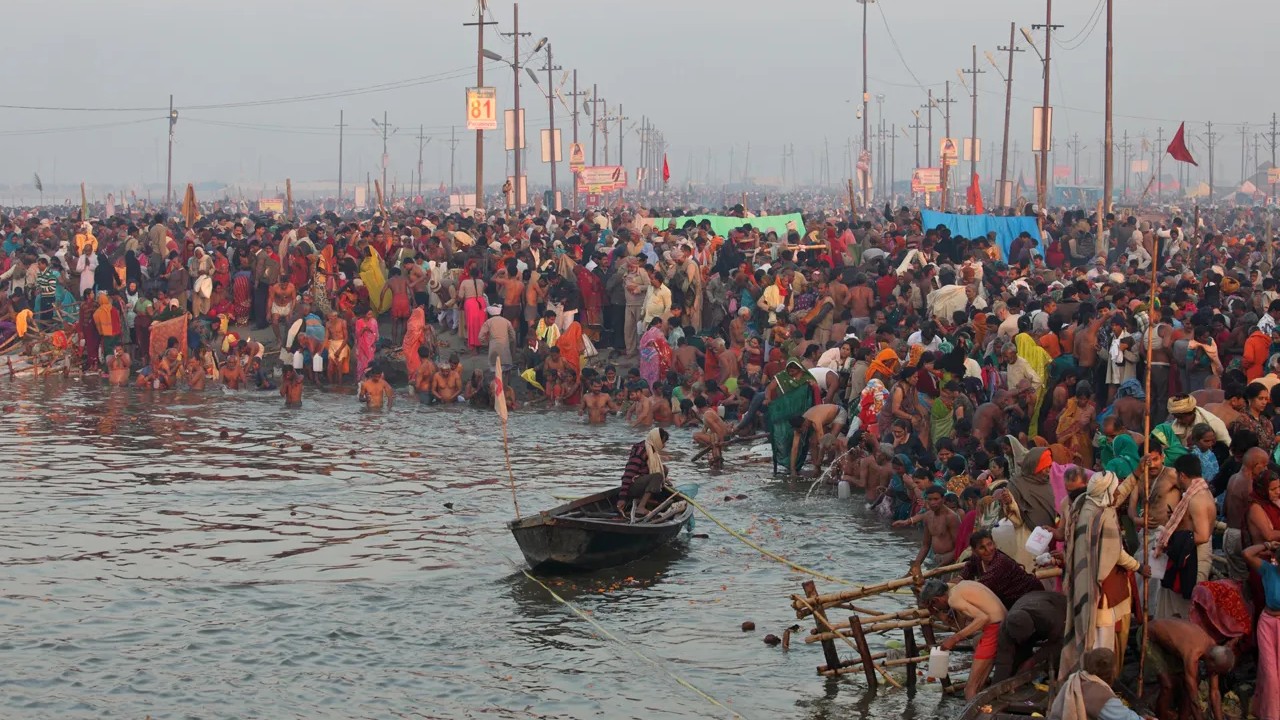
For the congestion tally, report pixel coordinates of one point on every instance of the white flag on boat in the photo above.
(499, 391)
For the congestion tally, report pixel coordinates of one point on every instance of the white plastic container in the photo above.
(843, 490)
(939, 662)
(1039, 541)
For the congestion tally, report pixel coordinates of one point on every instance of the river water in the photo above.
(333, 563)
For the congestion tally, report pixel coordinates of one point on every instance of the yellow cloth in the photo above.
(374, 281)
(1038, 358)
(22, 320)
(83, 239)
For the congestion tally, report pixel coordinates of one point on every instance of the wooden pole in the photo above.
(860, 638)
(288, 196)
(1102, 249)
(84, 204)
(804, 606)
(828, 646)
(909, 644)
(1146, 481)
(1271, 248)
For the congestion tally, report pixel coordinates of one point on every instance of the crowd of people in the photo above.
(993, 390)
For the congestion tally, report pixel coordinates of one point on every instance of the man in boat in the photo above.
(645, 474)
(985, 613)
(1087, 693)
(1031, 634)
(1175, 651)
(940, 526)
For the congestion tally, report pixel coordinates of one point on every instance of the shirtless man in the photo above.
(339, 352)
(686, 358)
(119, 365)
(374, 389)
(291, 387)
(166, 371)
(662, 412)
(1085, 348)
(1236, 509)
(1180, 647)
(861, 299)
(401, 303)
(641, 410)
(282, 296)
(1231, 407)
(446, 386)
(940, 526)
(729, 364)
(423, 377)
(194, 373)
(989, 418)
(1198, 519)
(597, 404)
(875, 470)
(714, 431)
(985, 612)
(820, 423)
(232, 372)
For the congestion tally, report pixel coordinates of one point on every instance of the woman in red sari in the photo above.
(414, 334)
(570, 344)
(89, 330)
(242, 291)
(1261, 524)
(592, 290)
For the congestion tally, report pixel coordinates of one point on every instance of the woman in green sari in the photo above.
(790, 393)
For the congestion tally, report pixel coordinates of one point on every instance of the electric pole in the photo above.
(1074, 146)
(917, 127)
(973, 134)
(341, 130)
(573, 103)
(1211, 138)
(866, 108)
(517, 134)
(1045, 129)
(621, 132)
(1006, 190)
(480, 23)
(453, 147)
(1126, 147)
(384, 126)
(1244, 151)
(423, 141)
(1159, 151)
(929, 147)
(946, 169)
(595, 100)
(1108, 136)
(551, 113)
(168, 178)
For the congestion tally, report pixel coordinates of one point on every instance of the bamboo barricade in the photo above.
(863, 621)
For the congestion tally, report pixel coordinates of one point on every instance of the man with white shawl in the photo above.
(1087, 693)
(645, 474)
(1095, 575)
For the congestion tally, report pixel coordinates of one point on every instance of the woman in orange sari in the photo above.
(571, 345)
(414, 334)
(884, 366)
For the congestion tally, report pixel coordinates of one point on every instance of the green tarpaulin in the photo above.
(722, 224)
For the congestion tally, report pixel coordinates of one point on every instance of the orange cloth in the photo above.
(986, 648)
(571, 345)
(1257, 348)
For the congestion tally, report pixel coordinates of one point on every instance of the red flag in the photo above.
(1178, 147)
(974, 196)
(666, 170)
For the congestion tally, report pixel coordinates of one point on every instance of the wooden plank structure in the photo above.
(854, 631)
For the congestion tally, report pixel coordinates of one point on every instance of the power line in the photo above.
(1086, 29)
(898, 50)
(77, 128)
(380, 87)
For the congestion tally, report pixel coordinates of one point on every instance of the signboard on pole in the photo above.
(948, 150)
(926, 180)
(1037, 124)
(596, 179)
(1273, 175)
(482, 108)
(973, 149)
(509, 128)
(362, 196)
(577, 156)
(1140, 167)
(547, 145)
(274, 205)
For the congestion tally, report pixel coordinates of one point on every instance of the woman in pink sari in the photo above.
(471, 290)
(413, 336)
(655, 353)
(366, 342)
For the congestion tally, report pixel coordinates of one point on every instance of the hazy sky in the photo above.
(712, 74)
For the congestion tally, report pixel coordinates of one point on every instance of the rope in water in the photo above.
(656, 663)
(774, 556)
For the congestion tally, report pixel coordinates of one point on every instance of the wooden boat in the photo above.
(1014, 698)
(588, 534)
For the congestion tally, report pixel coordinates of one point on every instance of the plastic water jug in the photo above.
(939, 660)
(843, 490)
(1039, 541)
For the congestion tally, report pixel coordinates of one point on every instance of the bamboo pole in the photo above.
(833, 660)
(803, 607)
(909, 614)
(882, 667)
(1146, 481)
(883, 626)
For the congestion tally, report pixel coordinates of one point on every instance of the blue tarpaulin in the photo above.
(977, 226)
